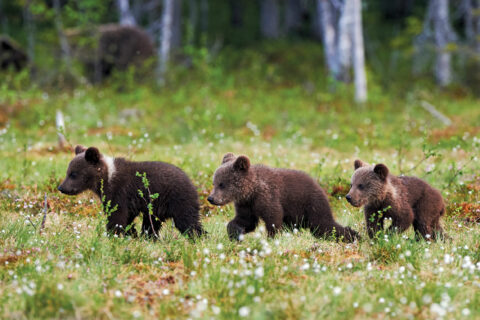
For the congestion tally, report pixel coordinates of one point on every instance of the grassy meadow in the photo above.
(279, 112)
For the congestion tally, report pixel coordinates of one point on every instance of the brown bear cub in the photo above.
(277, 196)
(116, 183)
(406, 200)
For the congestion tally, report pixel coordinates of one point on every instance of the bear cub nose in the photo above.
(210, 199)
(349, 198)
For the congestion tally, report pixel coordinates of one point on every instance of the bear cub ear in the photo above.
(381, 170)
(358, 164)
(79, 149)
(228, 157)
(92, 155)
(242, 163)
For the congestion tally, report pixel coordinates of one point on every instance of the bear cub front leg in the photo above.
(244, 222)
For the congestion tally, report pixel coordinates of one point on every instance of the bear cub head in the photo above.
(232, 181)
(369, 184)
(86, 171)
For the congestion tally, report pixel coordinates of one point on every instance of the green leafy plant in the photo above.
(149, 198)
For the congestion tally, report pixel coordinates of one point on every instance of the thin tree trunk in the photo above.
(165, 40)
(270, 19)
(358, 53)
(441, 25)
(126, 16)
(344, 40)
(325, 13)
(436, 30)
(61, 36)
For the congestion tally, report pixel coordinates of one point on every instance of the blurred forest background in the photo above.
(395, 44)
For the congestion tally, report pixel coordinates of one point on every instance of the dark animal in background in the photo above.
(12, 56)
(277, 196)
(110, 47)
(116, 183)
(406, 200)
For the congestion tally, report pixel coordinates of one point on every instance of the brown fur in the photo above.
(277, 196)
(11, 55)
(118, 47)
(178, 198)
(411, 201)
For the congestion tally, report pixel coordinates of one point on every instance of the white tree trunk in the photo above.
(269, 19)
(342, 36)
(326, 14)
(126, 16)
(358, 53)
(442, 30)
(165, 40)
(61, 36)
(344, 40)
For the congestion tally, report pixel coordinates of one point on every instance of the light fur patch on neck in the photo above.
(391, 189)
(110, 162)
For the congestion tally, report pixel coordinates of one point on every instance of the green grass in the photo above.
(257, 105)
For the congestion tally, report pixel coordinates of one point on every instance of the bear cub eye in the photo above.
(221, 185)
(73, 175)
(360, 186)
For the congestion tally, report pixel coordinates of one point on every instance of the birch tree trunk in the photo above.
(65, 48)
(441, 25)
(165, 39)
(344, 40)
(126, 16)
(358, 53)
(325, 12)
(436, 30)
(270, 19)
